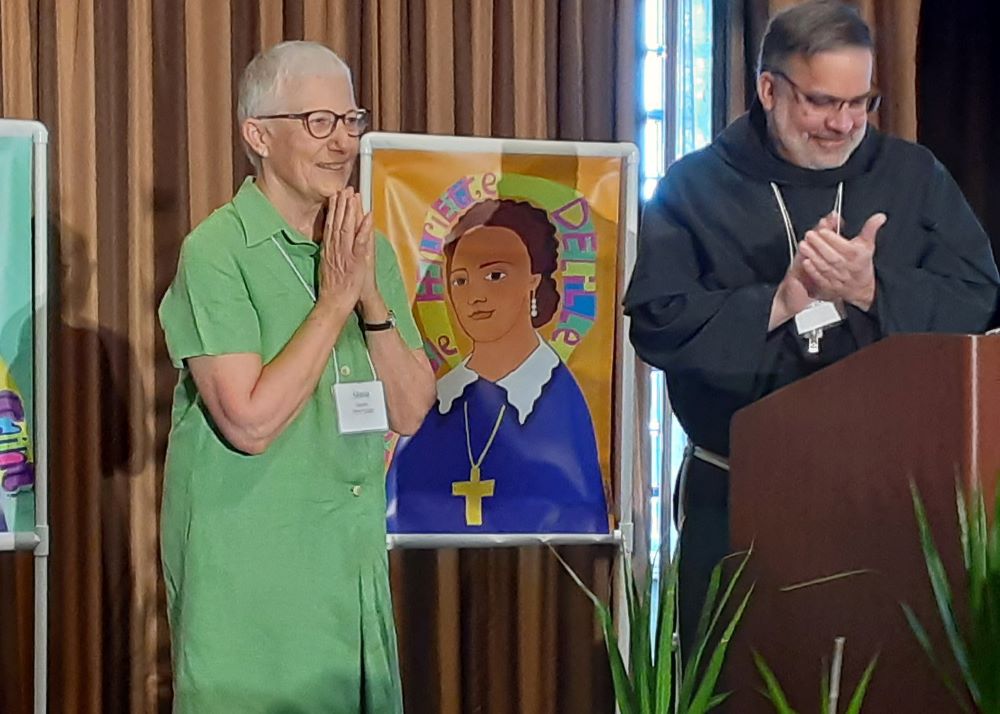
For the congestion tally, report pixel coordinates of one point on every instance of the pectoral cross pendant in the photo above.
(474, 491)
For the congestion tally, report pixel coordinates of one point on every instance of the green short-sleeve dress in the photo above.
(275, 565)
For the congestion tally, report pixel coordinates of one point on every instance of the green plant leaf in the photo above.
(705, 617)
(984, 599)
(678, 678)
(979, 535)
(774, 691)
(631, 599)
(666, 654)
(707, 687)
(692, 666)
(963, 525)
(980, 545)
(691, 662)
(942, 593)
(825, 579)
(925, 643)
(625, 695)
(975, 537)
(717, 700)
(981, 652)
(640, 630)
(854, 707)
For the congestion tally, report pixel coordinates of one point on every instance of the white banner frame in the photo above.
(37, 541)
(624, 439)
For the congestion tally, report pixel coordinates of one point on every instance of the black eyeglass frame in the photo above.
(360, 115)
(828, 104)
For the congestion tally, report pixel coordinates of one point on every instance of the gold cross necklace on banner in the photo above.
(475, 489)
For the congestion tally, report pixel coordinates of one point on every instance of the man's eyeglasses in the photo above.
(321, 123)
(825, 104)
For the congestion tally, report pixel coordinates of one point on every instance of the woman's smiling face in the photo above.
(490, 282)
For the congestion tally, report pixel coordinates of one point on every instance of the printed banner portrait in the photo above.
(511, 262)
(17, 476)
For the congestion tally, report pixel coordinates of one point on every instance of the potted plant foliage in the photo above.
(974, 643)
(829, 685)
(656, 680)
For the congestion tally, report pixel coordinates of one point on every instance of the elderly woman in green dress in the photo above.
(291, 330)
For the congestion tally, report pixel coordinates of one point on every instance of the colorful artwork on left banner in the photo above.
(17, 470)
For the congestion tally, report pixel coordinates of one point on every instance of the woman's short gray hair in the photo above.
(263, 79)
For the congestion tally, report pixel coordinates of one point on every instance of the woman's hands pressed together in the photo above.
(347, 268)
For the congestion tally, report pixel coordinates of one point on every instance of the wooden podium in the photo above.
(820, 485)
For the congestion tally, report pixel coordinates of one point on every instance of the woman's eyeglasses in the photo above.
(321, 123)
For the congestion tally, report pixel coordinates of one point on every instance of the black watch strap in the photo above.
(380, 326)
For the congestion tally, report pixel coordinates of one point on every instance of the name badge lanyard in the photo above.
(312, 296)
(361, 406)
(820, 314)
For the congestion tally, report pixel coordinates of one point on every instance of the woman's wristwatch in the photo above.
(390, 323)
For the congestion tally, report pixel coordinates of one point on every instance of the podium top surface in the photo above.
(921, 351)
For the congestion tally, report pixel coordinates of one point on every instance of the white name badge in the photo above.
(819, 315)
(360, 407)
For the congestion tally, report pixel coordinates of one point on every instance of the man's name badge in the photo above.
(360, 407)
(811, 322)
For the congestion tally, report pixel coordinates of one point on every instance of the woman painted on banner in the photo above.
(510, 446)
